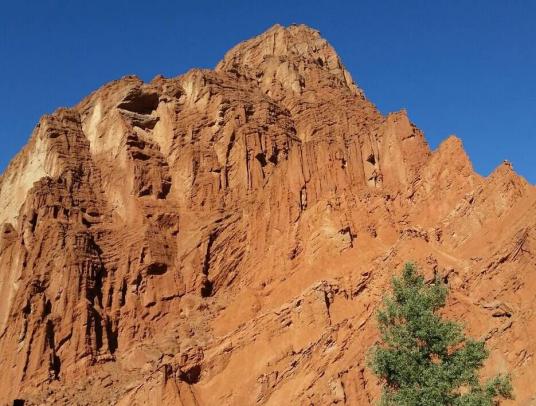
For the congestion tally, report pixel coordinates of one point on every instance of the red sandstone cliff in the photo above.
(224, 237)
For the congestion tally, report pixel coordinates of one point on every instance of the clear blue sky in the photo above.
(465, 67)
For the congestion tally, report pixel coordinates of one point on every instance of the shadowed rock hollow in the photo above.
(225, 236)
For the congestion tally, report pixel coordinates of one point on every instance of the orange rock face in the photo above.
(224, 238)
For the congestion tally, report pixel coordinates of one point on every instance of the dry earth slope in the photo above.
(224, 237)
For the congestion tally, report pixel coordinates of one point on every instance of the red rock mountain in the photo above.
(225, 236)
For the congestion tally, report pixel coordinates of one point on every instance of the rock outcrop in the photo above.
(225, 236)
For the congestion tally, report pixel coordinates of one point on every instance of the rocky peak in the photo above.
(158, 237)
(295, 57)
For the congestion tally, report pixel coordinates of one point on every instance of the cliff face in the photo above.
(224, 237)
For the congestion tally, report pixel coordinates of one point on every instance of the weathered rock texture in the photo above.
(224, 238)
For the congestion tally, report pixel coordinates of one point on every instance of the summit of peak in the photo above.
(291, 55)
(454, 144)
(505, 174)
(294, 41)
(505, 167)
(293, 28)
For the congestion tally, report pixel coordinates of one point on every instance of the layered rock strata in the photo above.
(225, 236)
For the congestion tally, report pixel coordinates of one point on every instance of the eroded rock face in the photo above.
(224, 237)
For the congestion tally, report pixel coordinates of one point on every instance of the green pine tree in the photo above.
(424, 359)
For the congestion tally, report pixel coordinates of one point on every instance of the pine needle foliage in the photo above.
(425, 360)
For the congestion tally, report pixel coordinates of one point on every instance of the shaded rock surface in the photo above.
(225, 236)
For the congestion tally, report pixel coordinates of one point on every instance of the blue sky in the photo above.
(458, 67)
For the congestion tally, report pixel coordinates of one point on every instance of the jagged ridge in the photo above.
(162, 242)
